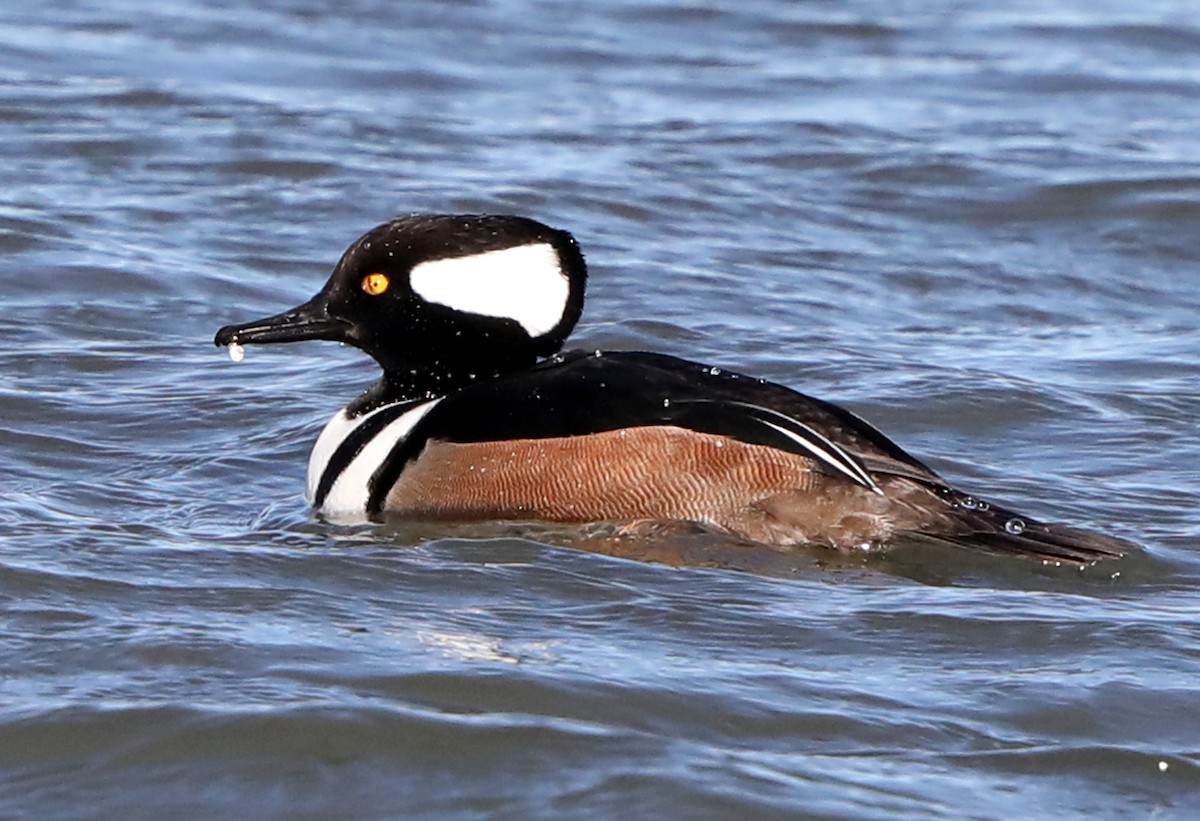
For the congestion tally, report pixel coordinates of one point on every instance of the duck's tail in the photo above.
(987, 527)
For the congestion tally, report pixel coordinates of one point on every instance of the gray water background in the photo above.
(973, 223)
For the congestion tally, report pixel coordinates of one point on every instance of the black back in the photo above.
(583, 393)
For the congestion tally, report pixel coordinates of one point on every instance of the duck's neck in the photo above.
(417, 384)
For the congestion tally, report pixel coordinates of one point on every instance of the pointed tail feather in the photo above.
(1049, 542)
(997, 530)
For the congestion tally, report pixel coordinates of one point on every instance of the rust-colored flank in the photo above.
(657, 473)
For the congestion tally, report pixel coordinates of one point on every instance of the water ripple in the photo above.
(972, 228)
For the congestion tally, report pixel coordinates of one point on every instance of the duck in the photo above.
(480, 414)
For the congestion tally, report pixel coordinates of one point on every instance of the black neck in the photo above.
(399, 385)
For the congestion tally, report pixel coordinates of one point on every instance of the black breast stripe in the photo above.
(353, 444)
(394, 463)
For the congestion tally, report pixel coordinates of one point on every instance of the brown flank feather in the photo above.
(750, 492)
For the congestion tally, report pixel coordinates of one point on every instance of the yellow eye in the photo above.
(375, 284)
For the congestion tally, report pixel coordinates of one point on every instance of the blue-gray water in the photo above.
(976, 224)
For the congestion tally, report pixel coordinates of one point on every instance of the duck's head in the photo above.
(439, 300)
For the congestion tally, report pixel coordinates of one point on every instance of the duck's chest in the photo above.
(352, 450)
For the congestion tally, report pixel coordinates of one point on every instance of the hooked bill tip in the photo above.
(226, 336)
(307, 321)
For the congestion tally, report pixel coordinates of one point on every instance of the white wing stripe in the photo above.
(839, 461)
(807, 438)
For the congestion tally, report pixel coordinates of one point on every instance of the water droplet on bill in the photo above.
(236, 352)
(1015, 526)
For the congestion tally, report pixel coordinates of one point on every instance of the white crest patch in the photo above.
(525, 283)
(350, 491)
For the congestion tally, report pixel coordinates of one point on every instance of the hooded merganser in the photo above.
(479, 416)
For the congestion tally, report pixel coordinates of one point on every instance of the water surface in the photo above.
(976, 227)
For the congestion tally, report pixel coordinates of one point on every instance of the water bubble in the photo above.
(1163, 766)
(715, 371)
(666, 403)
(1015, 526)
(982, 505)
(968, 502)
(236, 352)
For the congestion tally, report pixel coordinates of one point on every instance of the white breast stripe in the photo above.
(349, 492)
(525, 283)
(333, 434)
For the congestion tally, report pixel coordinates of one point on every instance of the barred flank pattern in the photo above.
(655, 473)
(755, 493)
